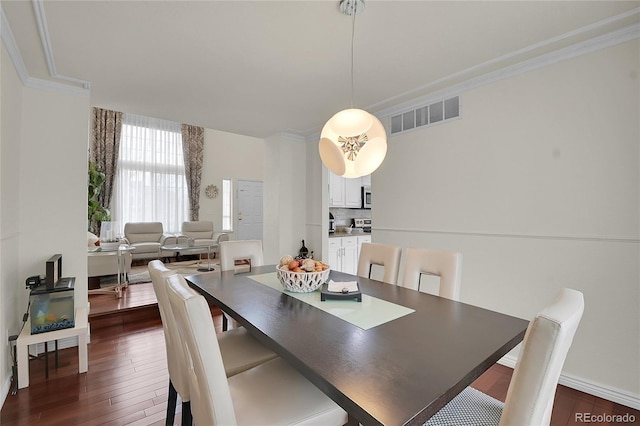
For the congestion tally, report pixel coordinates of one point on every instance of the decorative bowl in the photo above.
(302, 282)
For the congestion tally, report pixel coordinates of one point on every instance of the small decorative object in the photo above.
(340, 291)
(303, 251)
(211, 191)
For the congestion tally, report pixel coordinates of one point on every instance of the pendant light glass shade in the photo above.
(353, 143)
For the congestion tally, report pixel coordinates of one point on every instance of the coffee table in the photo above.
(187, 247)
(122, 280)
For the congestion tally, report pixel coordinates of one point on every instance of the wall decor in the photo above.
(211, 191)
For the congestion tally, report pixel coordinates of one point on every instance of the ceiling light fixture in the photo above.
(353, 143)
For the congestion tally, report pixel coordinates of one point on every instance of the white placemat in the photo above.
(367, 314)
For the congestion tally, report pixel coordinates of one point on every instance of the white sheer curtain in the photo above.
(150, 182)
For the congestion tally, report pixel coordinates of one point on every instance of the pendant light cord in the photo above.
(353, 31)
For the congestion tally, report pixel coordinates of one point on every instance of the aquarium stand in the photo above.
(79, 330)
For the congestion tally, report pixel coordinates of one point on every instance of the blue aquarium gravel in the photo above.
(36, 329)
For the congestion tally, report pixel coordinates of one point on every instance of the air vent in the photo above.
(429, 114)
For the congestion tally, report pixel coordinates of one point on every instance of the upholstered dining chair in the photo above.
(535, 378)
(230, 251)
(384, 255)
(271, 393)
(250, 250)
(240, 351)
(444, 264)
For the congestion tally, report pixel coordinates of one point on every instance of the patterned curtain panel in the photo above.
(105, 145)
(192, 147)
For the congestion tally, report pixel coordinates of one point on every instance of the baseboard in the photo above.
(596, 389)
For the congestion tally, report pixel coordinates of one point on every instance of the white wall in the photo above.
(227, 156)
(53, 185)
(44, 193)
(538, 186)
(11, 282)
(285, 197)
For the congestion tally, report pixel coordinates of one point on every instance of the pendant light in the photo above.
(353, 143)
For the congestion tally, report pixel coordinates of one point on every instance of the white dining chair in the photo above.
(385, 255)
(272, 393)
(535, 378)
(250, 250)
(230, 252)
(240, 351)
(446, 265)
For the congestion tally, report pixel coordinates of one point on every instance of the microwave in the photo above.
(366, 197)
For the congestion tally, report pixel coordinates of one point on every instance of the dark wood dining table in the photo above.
(399, 372)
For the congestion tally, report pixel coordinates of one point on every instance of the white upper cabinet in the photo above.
(346, 192)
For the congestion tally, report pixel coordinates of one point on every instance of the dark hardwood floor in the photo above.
(127, 379)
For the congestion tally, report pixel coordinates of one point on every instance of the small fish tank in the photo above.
(52, 309)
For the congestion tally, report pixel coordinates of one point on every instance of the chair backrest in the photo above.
(544, 350)
(230, 251)
(444, 264)
(211, 401)
(199, 229)
(176, 356)
(138, 232)
(384, 255)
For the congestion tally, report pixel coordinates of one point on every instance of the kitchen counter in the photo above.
(340, 234)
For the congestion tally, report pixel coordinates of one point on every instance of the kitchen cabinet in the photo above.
(362, 239)
(343, 254)
(345, 192)
(336, 191)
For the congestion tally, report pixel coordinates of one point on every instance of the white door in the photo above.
(249, 212)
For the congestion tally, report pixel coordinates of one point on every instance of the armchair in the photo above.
(146, 237)
(202, 233)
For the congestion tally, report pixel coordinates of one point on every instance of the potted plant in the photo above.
(96, 211)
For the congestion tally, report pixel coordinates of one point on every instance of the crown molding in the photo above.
(292, 135)
(613, 38)
(41, 19)
(12, 48)
(34, 83)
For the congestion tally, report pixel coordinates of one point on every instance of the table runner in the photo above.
(367, 314)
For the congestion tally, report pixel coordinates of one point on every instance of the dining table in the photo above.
(394, 358)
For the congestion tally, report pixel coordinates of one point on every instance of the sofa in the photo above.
(202, 234)
(147, 238)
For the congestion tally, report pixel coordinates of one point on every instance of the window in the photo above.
(227, 206)
(150, 183)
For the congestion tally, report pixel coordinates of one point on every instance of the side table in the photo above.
(81, 330)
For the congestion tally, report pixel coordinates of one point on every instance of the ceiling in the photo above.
(259, 68)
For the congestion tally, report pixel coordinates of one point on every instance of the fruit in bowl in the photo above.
(288, 263)
(302, 275)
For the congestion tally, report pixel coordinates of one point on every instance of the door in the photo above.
(249, 212)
